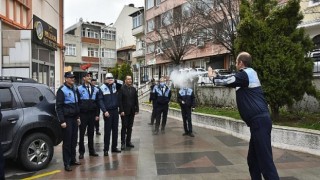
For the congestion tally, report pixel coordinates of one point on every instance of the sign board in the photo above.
(44, 34)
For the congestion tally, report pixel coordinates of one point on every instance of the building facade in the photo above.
(31, 40)
(201, 56)
(90, 46)
(138, 31)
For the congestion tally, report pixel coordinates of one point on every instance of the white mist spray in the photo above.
(181, 79)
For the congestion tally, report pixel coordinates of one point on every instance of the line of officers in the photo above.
(79, 108)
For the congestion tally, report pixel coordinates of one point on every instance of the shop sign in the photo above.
(44, 34)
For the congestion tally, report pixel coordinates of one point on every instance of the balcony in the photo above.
(107, 62)
(138, 30)
(138, 53)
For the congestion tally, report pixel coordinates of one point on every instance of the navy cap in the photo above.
(69, 74)
(84, 75)
(93, 80)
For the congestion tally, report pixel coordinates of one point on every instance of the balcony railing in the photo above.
(138, 30)
(138, 53)
(107, 62)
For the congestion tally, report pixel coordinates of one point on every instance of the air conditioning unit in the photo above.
(200, 43)
(158, 51)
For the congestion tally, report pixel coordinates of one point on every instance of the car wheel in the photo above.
(36, 152)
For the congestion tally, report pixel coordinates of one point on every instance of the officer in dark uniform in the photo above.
(89, 113)
(1, 154)
(187, 103)
(253, 109)
(153, 114)
(108, 101)
(96, 123)
(68, 113)
(162, 95)
(129, 107)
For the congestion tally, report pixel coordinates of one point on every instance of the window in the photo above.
(108, 35)
(150, 4)
(70, 49)
(186, 10)
(158, 23)
(140, 44)
(6, 99)
(87, 32)
(158, 2)
(150, 25)
(150, 48)
(93, 52)
(137, 21)
(30, 96)
(108, 53)
(166, 18)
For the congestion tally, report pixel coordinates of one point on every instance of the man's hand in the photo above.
(211, 73)
(79, 122)
(106, 114)
(122, 114)
(63, 125)
(182, 102)
(193, 109)
(97, 118)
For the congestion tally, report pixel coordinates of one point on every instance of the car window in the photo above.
(30, 96)
(6, 99)
(49, 94)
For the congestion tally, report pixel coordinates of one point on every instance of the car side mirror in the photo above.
(41, 98)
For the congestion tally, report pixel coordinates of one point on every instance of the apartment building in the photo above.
(203, 54)
(31, 40)
(90, 46)
(138, 31)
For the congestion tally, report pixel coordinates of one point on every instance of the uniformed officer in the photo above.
(254, 111)
(68, 113)
(187, 103)
(96, 123)
(153, 114)
(162, 95)
(89, 113)
(108, 101)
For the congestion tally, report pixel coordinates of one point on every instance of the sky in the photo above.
(106, 11)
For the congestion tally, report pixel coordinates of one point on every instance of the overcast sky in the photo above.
(106, 11)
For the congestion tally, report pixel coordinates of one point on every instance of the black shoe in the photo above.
(191, 135)
(81, 156)
(185, 134)
(123, 146)
(98, 133)
(93, 154)
(75, 163)
(67, 168)
(130, 145)
(116, 150)
(106, 153)
(150, 124)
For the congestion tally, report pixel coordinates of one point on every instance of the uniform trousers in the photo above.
(153, 114)
(161, 110)
(259, 158)
(70, 137)
(186, 117)
(87, 123)
(111, 124)
(1, 163)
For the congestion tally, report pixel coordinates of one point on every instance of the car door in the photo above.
(12, 115)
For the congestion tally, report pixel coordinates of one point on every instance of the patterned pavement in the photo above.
(208, 155)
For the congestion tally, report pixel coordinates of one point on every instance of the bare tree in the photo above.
(219, 18)
(174, 29)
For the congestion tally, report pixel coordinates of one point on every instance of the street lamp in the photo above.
(100, 37)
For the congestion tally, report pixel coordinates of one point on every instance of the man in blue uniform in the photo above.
(96, 123)
(89, 113)
(162, 95)
(68, 114)
(254, 111)
(153, 114)
(108, 101)
(187, 103)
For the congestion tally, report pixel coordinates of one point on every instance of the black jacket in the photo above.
(108, 97)
(88, 102)
(67, 103)
(161, 95)
(186, 95)
(128, 100)
(151, 93)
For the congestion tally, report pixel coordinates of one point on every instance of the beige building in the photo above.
(90, 46)
(202, 55)
(31, 40)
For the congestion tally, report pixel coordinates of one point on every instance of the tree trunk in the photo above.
(275, 112)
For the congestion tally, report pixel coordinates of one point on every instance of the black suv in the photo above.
(29, 128)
